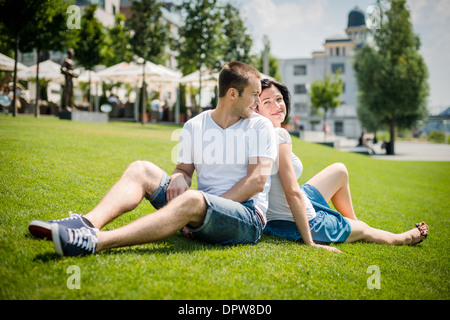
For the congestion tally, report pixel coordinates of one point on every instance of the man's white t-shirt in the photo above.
(221, 156)
(279, 207)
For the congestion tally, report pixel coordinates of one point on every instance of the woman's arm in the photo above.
(294, 196)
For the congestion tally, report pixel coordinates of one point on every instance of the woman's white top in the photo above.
(278, 205)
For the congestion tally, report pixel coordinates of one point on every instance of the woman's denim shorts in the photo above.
(226, 222)
(328, 225)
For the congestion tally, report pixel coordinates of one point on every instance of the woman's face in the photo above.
(272, 105)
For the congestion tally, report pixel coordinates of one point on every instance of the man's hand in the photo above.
(177, 186)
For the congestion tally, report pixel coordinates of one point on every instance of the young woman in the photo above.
(297, 213)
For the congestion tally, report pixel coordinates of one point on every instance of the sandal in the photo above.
(423, 228)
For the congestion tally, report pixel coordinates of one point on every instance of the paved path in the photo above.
(417, 151)
(404, 151)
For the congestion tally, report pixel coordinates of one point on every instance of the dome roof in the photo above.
(356, 18)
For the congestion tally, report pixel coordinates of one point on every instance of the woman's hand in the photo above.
(332, 249)
(187, 233)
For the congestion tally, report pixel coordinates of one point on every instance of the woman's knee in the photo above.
(360, 231)
(341, 169)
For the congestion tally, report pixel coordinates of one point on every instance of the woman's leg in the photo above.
(333, 183)
(363, 232)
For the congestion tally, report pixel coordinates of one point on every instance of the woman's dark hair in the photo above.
(267, 83)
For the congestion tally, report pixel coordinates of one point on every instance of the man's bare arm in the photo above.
(253, 183)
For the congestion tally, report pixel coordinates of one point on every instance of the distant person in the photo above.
(302, 212)
(232, 169)
(362, 143)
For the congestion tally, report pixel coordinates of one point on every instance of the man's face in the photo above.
(247, 102)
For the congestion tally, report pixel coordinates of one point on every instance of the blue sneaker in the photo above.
(42, 229)
(73, 242)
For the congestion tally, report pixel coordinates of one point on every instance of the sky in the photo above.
(296, 28)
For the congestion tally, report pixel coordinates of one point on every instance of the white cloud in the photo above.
(286, 15)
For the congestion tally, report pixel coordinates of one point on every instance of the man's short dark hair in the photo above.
(236, 75)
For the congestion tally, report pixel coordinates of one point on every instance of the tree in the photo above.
(149, 36)
(16, 18)
(392, 75)
(236, 42)
(200, 38)
(325, 94)
(274, 67)
(213, 35)
(90, 48)
(46, 33)
(118, 42)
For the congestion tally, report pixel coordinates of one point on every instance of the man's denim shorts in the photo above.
(226, 222)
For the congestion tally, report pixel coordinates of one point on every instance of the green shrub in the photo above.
(436, 136)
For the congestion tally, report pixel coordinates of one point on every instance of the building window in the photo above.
(336, 66)
(338, 127)
(337, 51)
(300, 107)
(331, 51)
(343, 51)
(299, 70)
(300, 89)
(101, 3)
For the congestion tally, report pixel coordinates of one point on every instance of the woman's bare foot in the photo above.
(419, 233)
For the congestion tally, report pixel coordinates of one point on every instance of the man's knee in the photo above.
(194, 204)
(144, 169)
(193, 198)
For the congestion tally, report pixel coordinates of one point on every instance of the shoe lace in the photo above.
(83, 238)
(72, 216)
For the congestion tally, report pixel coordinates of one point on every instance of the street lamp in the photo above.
(141, 60)
(266, 55)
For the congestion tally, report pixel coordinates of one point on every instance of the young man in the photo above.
(232, 150)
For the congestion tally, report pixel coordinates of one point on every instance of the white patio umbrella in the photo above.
(48, 70)
(85, 75)
(132, 72)
(7, 64)
(193, 78)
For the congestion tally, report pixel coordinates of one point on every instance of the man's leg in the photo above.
(139, 179)
(188, 208)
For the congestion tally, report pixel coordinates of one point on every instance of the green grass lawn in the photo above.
(50, 167)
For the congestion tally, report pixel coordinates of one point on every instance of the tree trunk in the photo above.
(16, 50)
(36, 108)
(390, 148)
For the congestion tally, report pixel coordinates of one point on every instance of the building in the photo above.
(299, 73)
